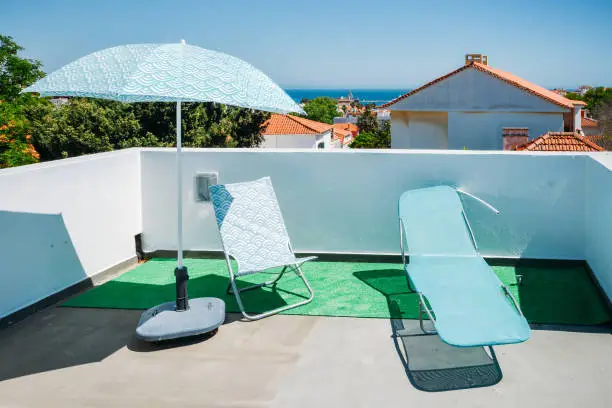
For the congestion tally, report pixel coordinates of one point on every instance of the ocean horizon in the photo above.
(377, 96)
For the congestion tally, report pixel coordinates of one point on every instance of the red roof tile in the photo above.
(279, 124)
(561, 142)
(504, 76)
(351, 127)
(341, 134)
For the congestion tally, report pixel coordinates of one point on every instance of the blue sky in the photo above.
(329, 43)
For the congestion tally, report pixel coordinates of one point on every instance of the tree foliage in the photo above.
(15, 74)
(367, 122)
(594, 98)
(603, 113)
(322, 109)
(377, 138)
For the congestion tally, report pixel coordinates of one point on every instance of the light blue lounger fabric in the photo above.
(467, 298)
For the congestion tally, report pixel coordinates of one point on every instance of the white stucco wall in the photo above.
(541, 197)
(66, 220)
(598, 219)
(483, 130)
(419, 130)
(477, 106)
(296, 141)
(289, 141)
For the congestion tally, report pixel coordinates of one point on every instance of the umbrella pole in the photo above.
(182, 302)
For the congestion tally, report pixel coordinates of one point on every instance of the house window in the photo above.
(321, 145)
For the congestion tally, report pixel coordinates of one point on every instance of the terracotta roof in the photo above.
(561, 142)
(589, 123)
(597, 139)
(292, 125)
(341, 134)
(504, 76)
(351, 127)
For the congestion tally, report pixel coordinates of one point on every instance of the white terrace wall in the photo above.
(64, 221)
(345, 201)
(598, 219)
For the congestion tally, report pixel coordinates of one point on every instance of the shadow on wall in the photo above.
(37, 259)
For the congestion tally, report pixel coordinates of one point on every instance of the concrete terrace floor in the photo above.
(63, 357)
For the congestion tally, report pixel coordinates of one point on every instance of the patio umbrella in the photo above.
(170, 73)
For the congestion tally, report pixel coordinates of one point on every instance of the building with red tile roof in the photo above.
(289, 131)
(560, 142)
(350, 127)
(470, 106)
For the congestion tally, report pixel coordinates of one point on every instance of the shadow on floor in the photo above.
(63, 337)
(430, 364)
(142, 296)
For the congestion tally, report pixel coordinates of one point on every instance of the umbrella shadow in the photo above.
(142, 295)
(430, 364)
(104, 322)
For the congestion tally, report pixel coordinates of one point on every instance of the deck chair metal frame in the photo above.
(423, 304)
(259, 192)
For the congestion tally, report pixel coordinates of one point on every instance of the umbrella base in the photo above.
(163, 322)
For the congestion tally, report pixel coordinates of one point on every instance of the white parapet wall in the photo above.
(345, 201)
(598, 219)
(64, 221)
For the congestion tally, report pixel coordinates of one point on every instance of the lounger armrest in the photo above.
(480, 200)
(403, 251)
(511, 296)
(306, 259)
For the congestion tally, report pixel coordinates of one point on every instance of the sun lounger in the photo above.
(460, 293)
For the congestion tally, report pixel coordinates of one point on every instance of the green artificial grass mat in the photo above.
(549, 295)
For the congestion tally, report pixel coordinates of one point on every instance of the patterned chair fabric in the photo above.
(251, 225)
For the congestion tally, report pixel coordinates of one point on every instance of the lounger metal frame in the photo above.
(236, 291)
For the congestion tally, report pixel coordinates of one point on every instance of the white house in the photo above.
(474, 106)
(288, 131)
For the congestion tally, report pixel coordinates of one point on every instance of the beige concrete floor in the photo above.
(64, 357)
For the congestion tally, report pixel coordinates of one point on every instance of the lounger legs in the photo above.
(247, 316)
(421, 307)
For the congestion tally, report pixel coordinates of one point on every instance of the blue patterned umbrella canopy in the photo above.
(166, 73)
(170, 73)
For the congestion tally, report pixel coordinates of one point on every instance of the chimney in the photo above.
(476, 58)
(578, 115)
(514, 137)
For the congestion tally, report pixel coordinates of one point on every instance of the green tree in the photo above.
(367, 121)
(380, 138)
(603, 113)
(83, 126)
(322, 109)
(594, 98)
(86, 126)
(16, 73)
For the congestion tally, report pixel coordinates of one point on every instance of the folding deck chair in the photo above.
(467, 303)
(254, 234)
